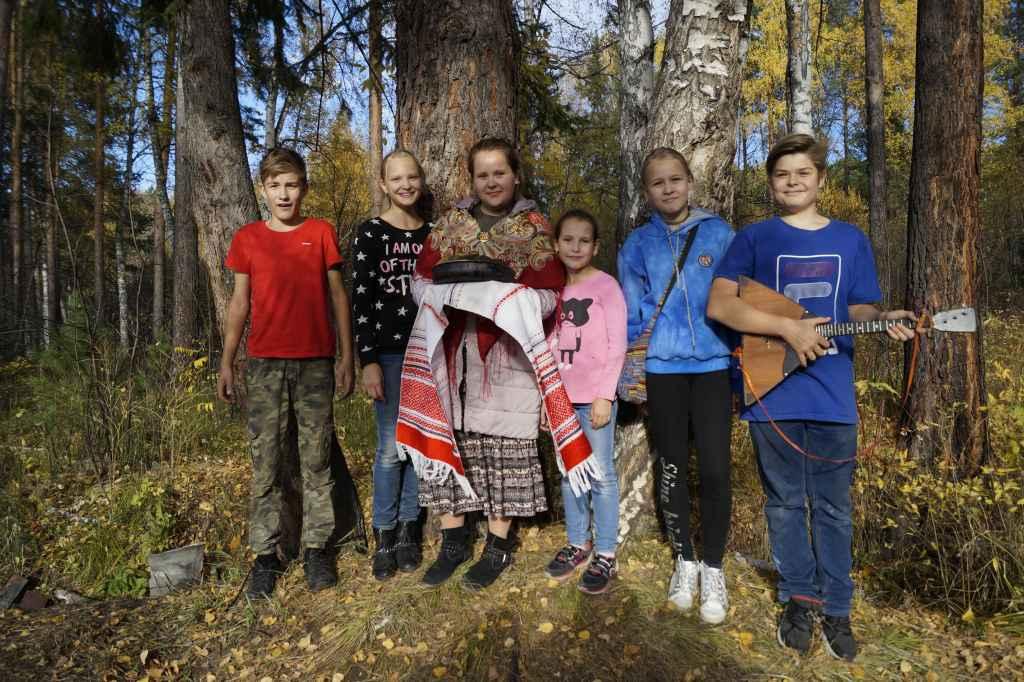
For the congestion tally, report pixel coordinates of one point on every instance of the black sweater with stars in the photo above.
(382, 307)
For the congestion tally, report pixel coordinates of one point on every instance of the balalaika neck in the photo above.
(870, 327)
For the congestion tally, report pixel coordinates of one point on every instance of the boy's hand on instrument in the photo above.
(343, 371)
(226, 384)
(805, 340)
(373, 381)
(600, 412)
(899, 332)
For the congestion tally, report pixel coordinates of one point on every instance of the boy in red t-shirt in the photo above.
(289, 268)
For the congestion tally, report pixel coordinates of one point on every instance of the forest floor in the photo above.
(525, 627)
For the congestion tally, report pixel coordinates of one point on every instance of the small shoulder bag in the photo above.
(632, 386)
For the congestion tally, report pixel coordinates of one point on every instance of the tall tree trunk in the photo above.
(122, 227)
(946, 420)
(221, 193)
(456, 82)
(270, 115)
(636, 57)
(6, 22)
(376, 94)
(694, 111)
(874, 82)
(798, 67)
(186, 243)
(159, 142)
(697, 95)
(15, 209)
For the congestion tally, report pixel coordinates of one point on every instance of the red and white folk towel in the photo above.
(424, 431)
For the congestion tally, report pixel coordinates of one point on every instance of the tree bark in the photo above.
(186, 243)
(6, 22)
(456, 82)
(636, 58)
(221, 192)
(874, 82)
(946, 420)
(376, 93)
(126, 216)
(697, 95)
(159, 142)
(100, 97)
(798, 67)
(15, 209)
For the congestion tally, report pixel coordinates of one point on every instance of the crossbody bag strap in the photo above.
(672, 282)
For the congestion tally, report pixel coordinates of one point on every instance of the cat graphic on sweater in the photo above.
(573, 311)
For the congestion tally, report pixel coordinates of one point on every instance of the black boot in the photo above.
(496, 558)
(454, 551)
(384, 564)
(264, 576)
(321, 572)
(408, 552)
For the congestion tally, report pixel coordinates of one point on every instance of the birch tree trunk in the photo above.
(874, 82)
(798, 67)
(221, 196)
(376, 92)
(456, 82)
(126, 216)
(697, 94)
(946, 419)
(636, 57)
(694, 110)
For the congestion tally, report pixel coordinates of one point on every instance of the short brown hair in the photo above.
(282, 160)
(577, 214)
(495, 144)
(663, 153)
(798, 143)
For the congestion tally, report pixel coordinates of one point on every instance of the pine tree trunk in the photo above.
(874, 82)
(456, 82)
(221, 196)
(697, 95)
(946, 417)
(636, 57)
(798, 67)
(99, 288)
(159, 142)
(15, 209)
(6, 22)
(186, 243)
(123, 223)
(376, 93)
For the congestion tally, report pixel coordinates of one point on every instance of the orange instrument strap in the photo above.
(738, 353)
(921, 322)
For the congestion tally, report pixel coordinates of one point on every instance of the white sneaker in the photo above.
(683, 586)
(714, 600)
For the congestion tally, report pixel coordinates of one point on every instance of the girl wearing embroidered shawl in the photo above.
(490, 394)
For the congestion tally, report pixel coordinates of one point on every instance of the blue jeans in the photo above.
(395, 487)
(814, 567)
(604, 493)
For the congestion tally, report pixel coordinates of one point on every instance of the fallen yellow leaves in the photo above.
(546, 627)
(440, 671)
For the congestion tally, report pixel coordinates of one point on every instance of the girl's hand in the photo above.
(373, 381)
(600, 412)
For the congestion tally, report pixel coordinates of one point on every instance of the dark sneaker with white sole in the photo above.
(598, 576)
(838, 637)
(796, 626)
(565, 563)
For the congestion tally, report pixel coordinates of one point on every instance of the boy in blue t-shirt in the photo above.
(827, 267)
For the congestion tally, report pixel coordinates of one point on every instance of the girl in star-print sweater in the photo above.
(384, 251)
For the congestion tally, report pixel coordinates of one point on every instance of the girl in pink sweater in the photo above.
(590, 349)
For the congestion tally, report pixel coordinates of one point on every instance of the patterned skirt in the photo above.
(505, 474)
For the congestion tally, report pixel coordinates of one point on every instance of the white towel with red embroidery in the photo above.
(424, 433)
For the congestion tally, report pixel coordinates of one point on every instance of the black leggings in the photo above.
(673, 401)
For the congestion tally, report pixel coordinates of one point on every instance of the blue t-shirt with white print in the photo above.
(825, 271)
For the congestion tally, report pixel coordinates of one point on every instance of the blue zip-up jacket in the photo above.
(684, 341)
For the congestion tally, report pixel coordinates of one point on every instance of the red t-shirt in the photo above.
(290, 306)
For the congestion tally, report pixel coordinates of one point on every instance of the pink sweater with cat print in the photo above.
(590, 339)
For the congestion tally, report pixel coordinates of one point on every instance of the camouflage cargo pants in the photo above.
(306, 387)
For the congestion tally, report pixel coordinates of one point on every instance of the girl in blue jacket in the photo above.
(687, 372)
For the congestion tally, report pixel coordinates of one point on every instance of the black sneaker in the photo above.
(384, 563)
(839, 640)
(496, 558)
(454, 551)
(598, 576)
(796, 627)
(408, 551)
(263, 576)
(565, 563)
(321, 572)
